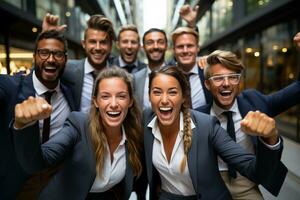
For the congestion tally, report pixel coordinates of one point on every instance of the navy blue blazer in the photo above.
(207, 94)
(13, 90)
(208, 141)
(272, 105)
(71, 145)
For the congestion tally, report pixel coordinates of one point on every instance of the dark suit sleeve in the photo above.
(258, 168)
(35, 157)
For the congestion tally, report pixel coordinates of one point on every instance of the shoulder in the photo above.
(78, 118)
(202, 119)
(141, 73)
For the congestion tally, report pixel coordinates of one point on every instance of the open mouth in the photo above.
(225, 93)
(113, 114)
(165, 111)
(50, 69)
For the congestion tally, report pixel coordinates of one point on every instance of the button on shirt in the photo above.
(197, 92)
(113, 172)
(87, 87)
(60, 107)
(172, 180)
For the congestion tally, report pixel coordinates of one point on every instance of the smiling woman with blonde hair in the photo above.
(100, 151)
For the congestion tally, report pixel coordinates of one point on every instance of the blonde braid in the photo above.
(187, 136)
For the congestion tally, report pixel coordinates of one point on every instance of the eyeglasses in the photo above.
(218, 80)
(44, 54)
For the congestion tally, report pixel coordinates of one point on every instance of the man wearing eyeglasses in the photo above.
(223, 73)
(50, 56)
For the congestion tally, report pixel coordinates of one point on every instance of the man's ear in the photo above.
(207, 84)
(83, 43)
(117, 44)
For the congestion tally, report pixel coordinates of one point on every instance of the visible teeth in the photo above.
(113, 113)
(50, 67)
(165, 109)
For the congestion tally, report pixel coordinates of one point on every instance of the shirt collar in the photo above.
(155, 130)
(194, 70)
(40, 88)
(124, 138)
(123, 63)
(88, 68)
(218, 111)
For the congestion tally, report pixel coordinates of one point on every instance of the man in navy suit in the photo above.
(222, 73)
(185, 45)
(128, 43)
(50, 56)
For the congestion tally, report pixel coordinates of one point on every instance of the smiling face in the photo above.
(113, 102)
(97, 45)
(49, 70)
(166, 99)
(128, 45)
(225, 94)
(186, 49)
(155, 46)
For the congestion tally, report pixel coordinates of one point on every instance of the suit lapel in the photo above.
(207, 94)
(148, 143)
(68, 95)
(192, 158)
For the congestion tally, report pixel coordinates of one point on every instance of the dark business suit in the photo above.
(13, 90)
(272, 105)
(208, 141)
(140, 64)
(73, 146)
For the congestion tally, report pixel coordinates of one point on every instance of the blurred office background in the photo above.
(260, 32)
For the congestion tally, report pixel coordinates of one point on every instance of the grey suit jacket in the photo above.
(139, 79)
(74, 74)
(208, 141)
(73, 147)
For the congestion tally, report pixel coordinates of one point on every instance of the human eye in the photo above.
(58, 54)
(44, 52)
(156, 92)
(104, 96)
(173, 92)
(149, 42)
(123, 96)
(217, 78)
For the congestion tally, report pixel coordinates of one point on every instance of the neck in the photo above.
(155, 65)
(113, 135)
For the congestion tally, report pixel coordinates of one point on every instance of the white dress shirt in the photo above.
(60, 107)
(243, 139)
(172, 180)
(197, 92)
(113, 172)
(87, 87)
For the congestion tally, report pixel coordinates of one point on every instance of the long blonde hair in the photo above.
(132, 124)
(182, 78)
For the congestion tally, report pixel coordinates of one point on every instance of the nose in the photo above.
(114, 102)
(155, 45)
(225, 81)
(98, 45)
(164, 98)
(51, 58)
(185, 48)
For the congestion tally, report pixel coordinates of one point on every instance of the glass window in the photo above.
(280, 68)
(253, 5)
(204, 28)
(252, 53)
(221, 15)
(17, 3)
(20, 60)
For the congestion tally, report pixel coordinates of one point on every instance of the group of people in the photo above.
(73, 129)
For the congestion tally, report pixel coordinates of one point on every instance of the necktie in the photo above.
(46, 123)
(129, 67)
(94, 74)
(231, 132)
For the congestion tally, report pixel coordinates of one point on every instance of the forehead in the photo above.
(129, 34)
(164, 81)
(94, 33)
(155, 36)
(50, 44)
(219, 69)
(186, 38)
(113, 84)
